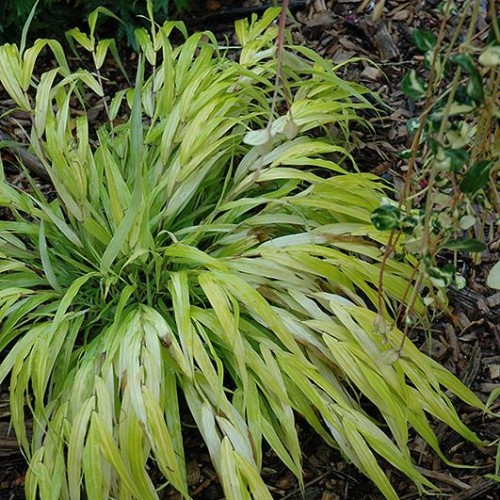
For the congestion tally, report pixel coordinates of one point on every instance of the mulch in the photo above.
(466, 340)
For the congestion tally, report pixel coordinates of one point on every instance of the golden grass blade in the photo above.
(135, 450)
(367, 460)
(81, 38)
(94, 469)
(136, 136)
(101, 51)
(61, 225)
(111, 453)
(179, 289)
(10, 75)
(255, 484)
(230, 477)
(76, 447)
(46, 261)
(119, 241)
(166, 453)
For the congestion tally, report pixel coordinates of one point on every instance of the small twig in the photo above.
(473, 366)
(31, 162)
(443, 478)
(477, 491)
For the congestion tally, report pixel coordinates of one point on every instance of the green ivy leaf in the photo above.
(258, 137)
(475, 85)
(475, 89)
(385, 217)
(409, 224)
(490, 57)
(412, 125)
(476, 177)
(424, 40)
(493, 280)
(459, 282)
(438, 62)
(466, 62)
(457, 158)
(448, 8)
(442, 277)
(466, 245)
(435, 146)
(405, 154)
(467, 221)
(413, 86)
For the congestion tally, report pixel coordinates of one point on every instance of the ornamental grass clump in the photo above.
(187, 264)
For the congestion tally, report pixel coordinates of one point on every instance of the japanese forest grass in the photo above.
(178, 266)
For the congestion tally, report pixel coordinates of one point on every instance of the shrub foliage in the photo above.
(53, 17)
(179, 268)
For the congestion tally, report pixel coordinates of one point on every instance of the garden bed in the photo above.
(466, 341)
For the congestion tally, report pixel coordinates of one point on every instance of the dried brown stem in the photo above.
(29, 160)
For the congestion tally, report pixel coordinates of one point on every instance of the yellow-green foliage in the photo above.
(179, 261)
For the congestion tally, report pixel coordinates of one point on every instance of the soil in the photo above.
(466, 340)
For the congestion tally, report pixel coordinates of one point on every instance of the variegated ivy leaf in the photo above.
(258, 137)
(413, 86)
(424, 40)
(386, 217)
(490, 57)
(493, 280)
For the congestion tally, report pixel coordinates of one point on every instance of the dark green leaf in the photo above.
(447, 8)
(462, 96)
(466, 245)
(466, 62)
(475, 85)
(436, 115)
(476, 177)
(457, 158)
(413, 86)
(385, 217)
(435, 146)
(405, 154)
(409, 224)
(424, 40)
(448, 268)
(412, 125)
(475, 89)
